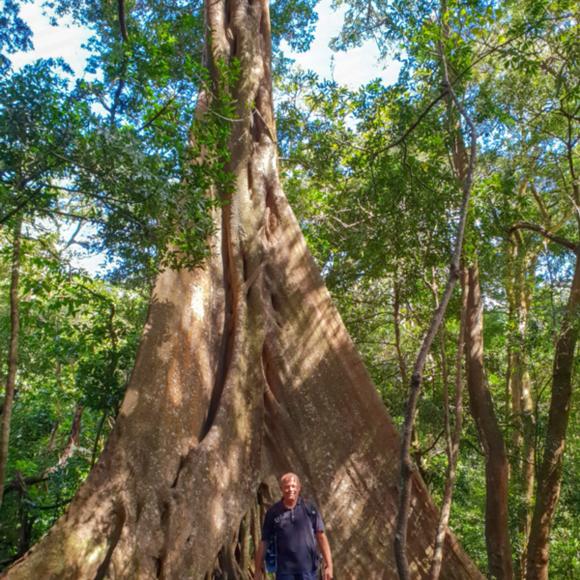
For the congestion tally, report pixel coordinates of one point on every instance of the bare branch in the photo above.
(547, 234)
(72, 238)
(122, 20)
(158, 114)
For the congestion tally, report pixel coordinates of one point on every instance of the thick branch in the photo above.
(546, 233)
(124, 63)
(71, 443)
(122, 21)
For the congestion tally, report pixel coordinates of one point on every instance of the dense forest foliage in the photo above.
(486, 104)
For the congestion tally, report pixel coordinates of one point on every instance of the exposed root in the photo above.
(120, 517)
(235, 561)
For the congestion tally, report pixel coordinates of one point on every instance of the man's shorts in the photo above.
(301, 576)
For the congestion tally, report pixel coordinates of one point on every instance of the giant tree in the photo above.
(244, 370)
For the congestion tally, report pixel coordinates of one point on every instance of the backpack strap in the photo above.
(312, 512)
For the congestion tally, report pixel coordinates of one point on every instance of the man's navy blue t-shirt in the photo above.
(294, 530)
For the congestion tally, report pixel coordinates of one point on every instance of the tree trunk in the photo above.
(466, 181)
(245, 371)
(72, 441)
(550, 474)
(490, 435)
(452, 439)
(26, 522)
(521, 265)
(397, 329)
(12, 354)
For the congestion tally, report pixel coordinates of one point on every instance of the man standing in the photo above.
(298, 531)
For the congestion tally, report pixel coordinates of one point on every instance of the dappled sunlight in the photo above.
(325, 420)
(129, 402)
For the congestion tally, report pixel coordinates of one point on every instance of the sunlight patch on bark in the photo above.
(197, 302)
(96, 555)
(174, 387)
(219, 516)
(130, 402)
(165, 352)
(343, 497)
(476, 351)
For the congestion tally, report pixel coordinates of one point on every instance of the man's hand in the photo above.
(259, 561)
(325, 549)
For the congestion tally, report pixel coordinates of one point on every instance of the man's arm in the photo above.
(259, 561)
(325, 549)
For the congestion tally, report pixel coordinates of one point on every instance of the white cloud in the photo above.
(353, 68)
(64, 40)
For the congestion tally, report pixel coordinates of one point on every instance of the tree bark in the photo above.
(245, 371)
(550, 474)
(496, 463)
(10, 387)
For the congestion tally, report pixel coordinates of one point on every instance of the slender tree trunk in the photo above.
(72, 441)
(98, 434)
(26, 523)
(452, 439)
(12, 354)
(407, 468)
(521, 266)
(397, 328)
(490, 435)
(550, 474)
(245, 371)
(415, 444)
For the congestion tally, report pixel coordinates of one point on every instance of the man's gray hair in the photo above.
(290, 475)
